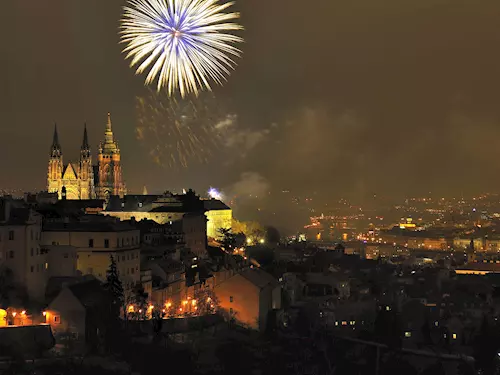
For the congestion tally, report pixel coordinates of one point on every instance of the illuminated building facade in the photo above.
(195, 217)
(20, 252)
(219, 216)
(95, 241)
(83, 180)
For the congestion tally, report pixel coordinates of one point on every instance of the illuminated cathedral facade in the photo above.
(82, 179)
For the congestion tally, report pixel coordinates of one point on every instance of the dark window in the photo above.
(11, 235)
(31, 232)
(65, 255)
(230, 298)
(117, 242)
(11, 254)
(91, 242)
(231, 310)
(54, 243)
(132, 270)
(106, 243)
(32, 268)
(31, 251)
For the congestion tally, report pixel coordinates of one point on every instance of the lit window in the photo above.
(140, 204)
(407, 334)
(436, 323)
(336, 323)
(46, 266)
(388, 308)
(454, 336)
(344, 323)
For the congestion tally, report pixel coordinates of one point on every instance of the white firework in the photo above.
(183, 43)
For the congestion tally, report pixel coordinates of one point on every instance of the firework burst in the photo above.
(180, 131)
(183, 43)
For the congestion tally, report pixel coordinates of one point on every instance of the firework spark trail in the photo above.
(183, 43)
(179, 131)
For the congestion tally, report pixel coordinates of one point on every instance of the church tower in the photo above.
(109, 168)
(86, 171)
(55, 169)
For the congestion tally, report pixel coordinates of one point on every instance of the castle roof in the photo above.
(214, 205)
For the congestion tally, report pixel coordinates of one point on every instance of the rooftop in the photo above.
(259, 278)
(214, 204)
(87, 224)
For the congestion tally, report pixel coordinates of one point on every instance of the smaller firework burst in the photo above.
(179, 131)
(213, 193)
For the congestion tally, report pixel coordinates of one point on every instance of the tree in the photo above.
(114, 287)
(206, 301)
(139, 299)
(272, 235)
(388, 329)
(10, 292)
(228, 240)
(251, 229)
(486, 346)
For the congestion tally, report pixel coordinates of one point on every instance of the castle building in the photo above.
(82, 179)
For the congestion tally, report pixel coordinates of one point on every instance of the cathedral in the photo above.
(82, 179)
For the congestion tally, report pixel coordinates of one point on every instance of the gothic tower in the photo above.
(55, 169)
(109, 168)
(85, 169)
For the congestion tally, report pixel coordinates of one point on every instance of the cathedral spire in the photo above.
(85, 143)
(85, 149)
(55, 150)
(109, 132)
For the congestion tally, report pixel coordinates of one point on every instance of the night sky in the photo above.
(344, 98)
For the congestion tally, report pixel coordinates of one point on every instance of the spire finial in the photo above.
(108, 124)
